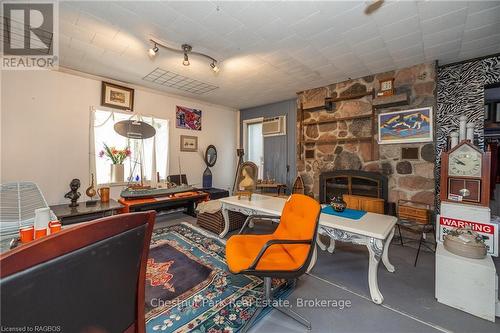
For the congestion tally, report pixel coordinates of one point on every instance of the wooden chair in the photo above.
(416, 218)
(286, 253)
(86, 278)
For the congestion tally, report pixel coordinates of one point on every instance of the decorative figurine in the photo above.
(338, 204)
(91, 192)
(73, 195)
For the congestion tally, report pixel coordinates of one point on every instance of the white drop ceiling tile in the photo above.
(290, 11)
(274, 30)
(242, 35)
(369, 46)
(482, 42)
(399, 28)
(87, 48)
(316, 23)
(447, 21)
(393, 11)
(478, 6)
(196, 10)
(76, 32)
(443, 36)
(480, 32)
(415, 50)
(220, 23)
(451, 48)
(336, 8)
(488, 16)
(474, 53)
(153, 12)
(361, 33)
(430, 9)
(405, 41)
(338, 48)
(68, 12)
(106, 43)
(256, 14)
(92, 23)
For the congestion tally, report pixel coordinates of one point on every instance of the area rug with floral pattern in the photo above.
(189, 288)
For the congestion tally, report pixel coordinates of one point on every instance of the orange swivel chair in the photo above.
(286, 253)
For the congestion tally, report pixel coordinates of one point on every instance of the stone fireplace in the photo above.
(409, 178)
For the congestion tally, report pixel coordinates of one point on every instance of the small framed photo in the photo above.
(118, 97)
(189, 143)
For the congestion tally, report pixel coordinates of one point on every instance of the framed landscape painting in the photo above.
(406, 126)
(187, 118)
(117, 97)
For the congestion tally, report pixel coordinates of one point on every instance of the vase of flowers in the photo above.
(116, 156)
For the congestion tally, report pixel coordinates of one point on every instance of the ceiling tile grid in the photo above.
(270, 49)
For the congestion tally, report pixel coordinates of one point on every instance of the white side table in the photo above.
(470, 285)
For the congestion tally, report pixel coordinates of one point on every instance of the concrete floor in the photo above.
(409, 304)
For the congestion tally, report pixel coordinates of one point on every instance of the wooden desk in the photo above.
(82, 213)
(187, 200)
(375, 231)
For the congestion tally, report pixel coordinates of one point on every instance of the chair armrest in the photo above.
(272, 242)
(257, 216)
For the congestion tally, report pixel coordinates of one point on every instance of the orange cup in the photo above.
(39, 233)
(55, 226)
(27, 234)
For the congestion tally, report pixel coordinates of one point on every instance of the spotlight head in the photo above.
(152, 51)
(214, 67)
(372, 6)
(186, 60)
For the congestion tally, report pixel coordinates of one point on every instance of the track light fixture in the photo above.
(186, 50)
(152, 51)
(214, 67)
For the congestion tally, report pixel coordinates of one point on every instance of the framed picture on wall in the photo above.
(187, 118)
(118, 97)
(189, 143)
(406, 126)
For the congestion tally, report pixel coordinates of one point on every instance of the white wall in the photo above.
(45, 131)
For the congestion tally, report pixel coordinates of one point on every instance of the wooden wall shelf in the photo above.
(383, 102)
(334, 120)
(326, 141)
(346, 98)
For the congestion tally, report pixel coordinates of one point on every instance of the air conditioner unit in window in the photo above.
(274, 126)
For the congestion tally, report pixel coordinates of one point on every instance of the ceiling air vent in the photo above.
(178, 81)
(274, 126)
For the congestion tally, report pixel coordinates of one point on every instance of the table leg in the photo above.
(375, 249)
(385, 254)
(321, 245)
(226, 222)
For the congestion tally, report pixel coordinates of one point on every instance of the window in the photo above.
(155, 148)
(254, 143)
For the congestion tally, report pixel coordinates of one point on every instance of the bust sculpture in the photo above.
(73, 195)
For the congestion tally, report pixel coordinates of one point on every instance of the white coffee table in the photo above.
(375, 231)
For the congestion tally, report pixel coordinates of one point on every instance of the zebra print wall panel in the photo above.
(460, 91)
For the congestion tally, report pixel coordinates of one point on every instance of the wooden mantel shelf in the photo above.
(382, 102)
(335, 120)
(326, 141)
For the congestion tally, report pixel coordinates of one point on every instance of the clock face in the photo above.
(386, 85)
(465, 162)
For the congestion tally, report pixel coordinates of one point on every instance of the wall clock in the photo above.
(465, 175)
(386, 87)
